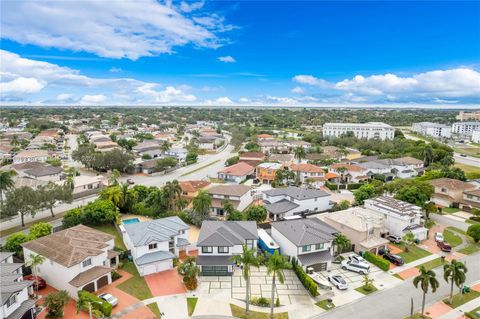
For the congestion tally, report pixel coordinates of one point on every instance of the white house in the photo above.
(400, 217)
(85, 185)
(14, 293)
(285, 202)
(154, 244)
(313, 174)
(432, 129)
(309, 240)
(240, 196)
(476, 136)
(371, 130)
(179, 153)
(218, 241)
(77, 258)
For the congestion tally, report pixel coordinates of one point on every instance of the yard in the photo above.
(450, 210)
(429, 265)
(472, 172)
(110, 229)
(472, 247)
(451, 238)
(239, 312)
(459, 299)
(362, 290)
(474, 314)
(325, 304)
(413, 254)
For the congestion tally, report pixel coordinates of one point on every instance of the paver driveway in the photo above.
(164, 283)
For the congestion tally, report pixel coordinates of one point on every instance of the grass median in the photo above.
(200, 168)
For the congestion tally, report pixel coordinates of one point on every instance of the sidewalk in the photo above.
(415, 263)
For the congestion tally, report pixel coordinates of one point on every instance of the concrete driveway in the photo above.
(165, 283)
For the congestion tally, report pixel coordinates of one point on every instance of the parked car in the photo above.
(444, 246)
(394, 259)
(38, 282)
(439, 237)
(463, 155)
(358, 259)
(109, 298)
(355, 267)
(130, 181)
(338, 282)
(394, 239)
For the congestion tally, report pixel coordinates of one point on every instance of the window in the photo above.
(318, 246)
(223, 250)
(249, 243)
(182, 232)
(444, 190)
(87, 262)
(306, 248)
(207, 249)
(12, 300)
(152, 246)
(469, 196)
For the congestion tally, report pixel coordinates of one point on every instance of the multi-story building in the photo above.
(449, 192)
(370, 130)
(468, 116)
(266, 172)
(470, 200)
(432, 129)
(476, 136)
(465, 128)
(240, 196)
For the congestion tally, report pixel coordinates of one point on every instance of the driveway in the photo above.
(165, 283)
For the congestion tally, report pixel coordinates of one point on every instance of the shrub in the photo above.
(14, 242)
(331, 186)
(72, 218)
(377, 261)
(475, 218)
(40, 229)
(115, 275)
(277, 302)
(474, 232)
(354, 186)
(185, 217)
(261, 301)
(100, 308)
(306, 281)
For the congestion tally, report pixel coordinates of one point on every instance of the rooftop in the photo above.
(239, 169)
(296, 192)
(226, 233)
(230, 190)
(157, 230)
(193, 186)
(452, 184)
(305, 231)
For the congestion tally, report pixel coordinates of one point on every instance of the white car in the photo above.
(109, 298)
(439, 237)
(358, 260)
(338, 282)
(361, 268)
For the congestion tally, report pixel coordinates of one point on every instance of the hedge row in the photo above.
(100, 308)
(354, 186)
(377, 261)
(331, 186)
(306, 281)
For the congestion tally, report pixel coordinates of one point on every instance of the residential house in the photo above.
(400, 217)
(218, 241)
(449, 192)
(31, 156)
(272, 146)
(349, 173)
(77, 258)
(308, 240)
(84, 185)
(251, 158)
(14, 293)
(150, 148)
(207, 143)
(236, 173)
(106, 146)
(266, 172)
(240, 196)
(289, 201)
(363, 227)
(45, 172)
(471, 200)
(263, 137)
(178, 153)
(284, 159)
(155, 243)
(309, 173)
(190, 189)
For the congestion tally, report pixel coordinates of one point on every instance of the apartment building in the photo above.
(465, 128)
(468, 116)
(370, 130)
(432, 129)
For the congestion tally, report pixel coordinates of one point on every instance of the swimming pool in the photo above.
(131, 221)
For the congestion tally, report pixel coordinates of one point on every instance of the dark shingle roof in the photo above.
(307, 231)
(226, 233)
(280, 207)
(296, 192)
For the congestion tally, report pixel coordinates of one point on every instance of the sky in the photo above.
(240, 53)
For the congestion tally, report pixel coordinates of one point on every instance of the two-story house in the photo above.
(77, 258)
(240, 196)
(236, 173)
(400, 217)
(309, 240)
(471, 200)
(190, 188)
(289, 201)
(309, 173)
(266, 172)
(179, 153)
(154, 244)
(14, 291)
(31, 156)
(218, 241)
(449, 192)
(349, 173)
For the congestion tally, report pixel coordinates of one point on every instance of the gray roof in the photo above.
(5, 254)
(306, 231)
(297, 192)
(373, 165)
(203, 260)
(315, 258)
(20, 311)
(11, 287)
(154, 257)
(226, 233)
(44, 171)
(182, 242)
(9, 268)
(280, 207)
(156, 230)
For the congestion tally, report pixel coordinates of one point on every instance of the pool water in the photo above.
(131, 221)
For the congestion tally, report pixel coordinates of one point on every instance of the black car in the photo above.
(394, 259)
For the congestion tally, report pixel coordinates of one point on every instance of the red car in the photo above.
(444, 246)
(38, 282)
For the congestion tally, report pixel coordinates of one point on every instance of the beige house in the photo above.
(363, 227)
(87, 185)
(470, 200)
(31, 156)
(449, 192)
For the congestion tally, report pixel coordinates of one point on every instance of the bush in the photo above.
(40, 229)
(14, 242)
(475, 218)
(331, 186)
(354, 186)
(474, 232)
(306, 281)
(115, 275)
(261, 302)
(72, 218)
(100, 308)
(377, 261)
(185, 217)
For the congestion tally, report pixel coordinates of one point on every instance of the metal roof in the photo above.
(156, 230)
(306, 231)
(154, 257)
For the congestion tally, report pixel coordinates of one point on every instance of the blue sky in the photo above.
(240, 53)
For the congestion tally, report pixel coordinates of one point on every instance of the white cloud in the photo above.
(189, 7)
(310, 80)
(226, 59)
(168, 95)
(64, 97)
(115, 70)
(244, 100)
(113, 29)
(224, 100)
(93, 99)
(21, 86)
(298, 90)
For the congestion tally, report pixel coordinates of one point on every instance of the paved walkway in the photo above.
(413, 264)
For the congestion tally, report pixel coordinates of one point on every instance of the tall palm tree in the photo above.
(172, 193)
(427, 155)
(409, 239)
(6, 183)
(427, 280)
(113, 194)
(165, 146)
(342, 243)
(247, 259)
(455, 272)
(299, 153)
(202, 202)
(35, 260)
(276, 264)
(55, 303)
(113, 179)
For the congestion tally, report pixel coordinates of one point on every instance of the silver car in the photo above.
(338, 282)
(109, 298)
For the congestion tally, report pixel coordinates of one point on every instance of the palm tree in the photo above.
(202, 202)
(55, 302)
(113, 179)
(455, 272)
(299, 153)
(247, 259)
(427, 155)
(367, 283)
(6, 183)
(427, 280)
(113, 194)
(34, 261)
(172, 192)
(409, 239)
(342, 243)
(165, 146)
(275, 266)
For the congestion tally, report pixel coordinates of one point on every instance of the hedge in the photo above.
(377, 261)
(331, 186)
(100, 308)
(354, 185)
(306, 281)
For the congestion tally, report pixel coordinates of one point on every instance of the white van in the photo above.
(361, 268)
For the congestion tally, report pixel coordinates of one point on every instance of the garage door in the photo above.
(102, 282)
(215, 270)
(319, 267)
(157, 267)
(90, 287)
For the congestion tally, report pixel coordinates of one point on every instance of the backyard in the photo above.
(112, 230)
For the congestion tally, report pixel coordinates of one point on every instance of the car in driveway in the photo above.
(360, 268)
(359, 260)
(394, 239)
(109, 298)
(444, 246)
(394, 259)
(38, 282)
(439, 237)
(338, 282)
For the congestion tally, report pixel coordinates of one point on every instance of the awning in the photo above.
(90, 275)
(112, 254)
(214, 260)
(154, 257)
(315, 258)
(182, 242)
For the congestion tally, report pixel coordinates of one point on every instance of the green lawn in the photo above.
(429, 265)
(472, 247)
(418, 316)
(471, 172)
(471, 222)
(191, 303)
(239, 312)
(137, 287)
(450, 210)
(413, 254)
(459, 299)
(110, 229)
(324, 304)
(472, 314)
(398, 276)
(471, 151)
(451, 238)
(362, 290)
